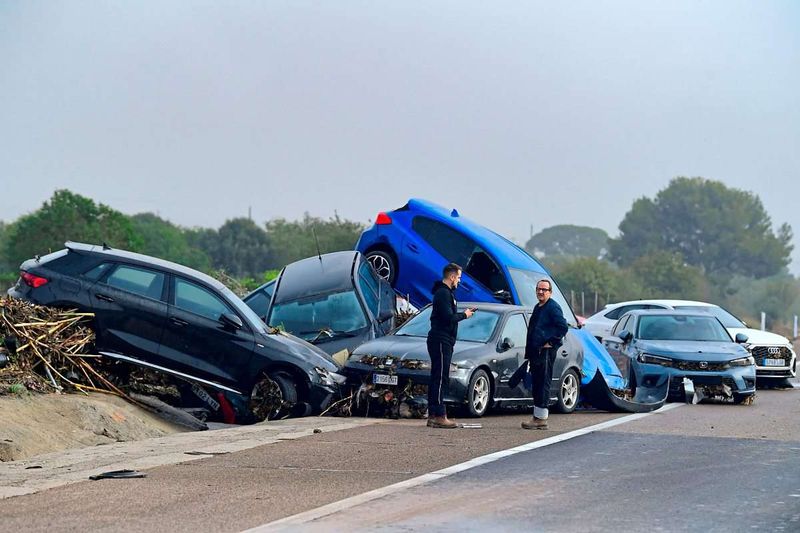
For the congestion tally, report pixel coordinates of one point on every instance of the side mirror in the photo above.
(503, 296)
(625, 335)
(741, 338)
(506, 344)
(230, 320)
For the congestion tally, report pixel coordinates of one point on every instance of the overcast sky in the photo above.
(521, 114)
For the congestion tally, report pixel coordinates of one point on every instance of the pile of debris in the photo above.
(369, 399)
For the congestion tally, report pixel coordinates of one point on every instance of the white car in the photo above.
(774, 355)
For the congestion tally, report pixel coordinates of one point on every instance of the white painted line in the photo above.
(353, 501)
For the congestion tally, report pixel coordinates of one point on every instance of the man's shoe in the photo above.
(441, 422)
(535, 423)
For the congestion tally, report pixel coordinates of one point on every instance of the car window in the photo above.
(338, 312)
(681, 328)
(517, 330)
(97, 272)
(369, 287)
(727, 319)
(479, 328)
(620, 325)
(525, 284)
(147, 283)
(199, 300)
(484, 269)
(259, 302)
(451, 244)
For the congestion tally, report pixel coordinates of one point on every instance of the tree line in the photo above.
(696, 239)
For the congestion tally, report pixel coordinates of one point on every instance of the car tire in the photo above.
(479, 394)
(273, 397)
(569, 390)
(743, 399)
(384, 264)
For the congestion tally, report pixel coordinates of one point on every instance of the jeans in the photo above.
(542, 376)
(441, 353)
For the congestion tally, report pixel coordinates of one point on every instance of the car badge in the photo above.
(389, 361)
(703, 364)
(774, 350)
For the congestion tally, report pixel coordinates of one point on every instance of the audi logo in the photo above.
(774, 350)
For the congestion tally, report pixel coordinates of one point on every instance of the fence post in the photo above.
(572, 299)
(763, 321)
(595, 302)
(795, 326)
(583, 312)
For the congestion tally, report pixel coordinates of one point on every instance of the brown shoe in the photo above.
(441, 422)
(535, 423)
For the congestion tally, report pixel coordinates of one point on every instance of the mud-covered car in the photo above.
(335, 301)
(489, 348)
(178, 321)
(690, 348)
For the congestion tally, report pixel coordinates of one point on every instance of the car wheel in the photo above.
(744, 399)
(384, 265)
(273, 397)
(568, 391)
(479, 394)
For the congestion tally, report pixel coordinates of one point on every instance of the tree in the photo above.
(68, 217)
(161, 238)
(569, 242)
(242, 248)
(295, 240)
(720, 230)
(590, 275)
(775, 296)
(665, 275)
(5, 264)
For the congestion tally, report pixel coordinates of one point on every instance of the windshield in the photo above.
(727, 319)
(338, 313)
(525, 284)
(681, 328)
(479, 328)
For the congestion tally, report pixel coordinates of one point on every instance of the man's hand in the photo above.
(547, 345)
(470, 311)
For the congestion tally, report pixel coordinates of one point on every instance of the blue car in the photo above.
(410, 246)
(688, 347)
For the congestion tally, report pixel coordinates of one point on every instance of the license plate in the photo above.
(384, 379)
(774, 362)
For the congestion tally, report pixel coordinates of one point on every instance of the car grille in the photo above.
(698, 366)
(771, 352)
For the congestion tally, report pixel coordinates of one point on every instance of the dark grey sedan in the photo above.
(489, 349)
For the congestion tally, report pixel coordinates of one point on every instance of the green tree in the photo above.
(776, 296)
(68, 217)
(720, 230)
(242, 248)
(5, 264)
(665, 275)
(558, 244)
(161, 238)
(295, 240)
(590, 275)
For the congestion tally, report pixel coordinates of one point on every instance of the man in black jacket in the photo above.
(546, 331)
(441, 339)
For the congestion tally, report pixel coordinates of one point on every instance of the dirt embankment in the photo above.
(33, 424)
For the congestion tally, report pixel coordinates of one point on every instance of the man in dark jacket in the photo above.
(546, 331)
(441, 339)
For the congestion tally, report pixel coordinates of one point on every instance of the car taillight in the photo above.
(32, 280)
(383, 219)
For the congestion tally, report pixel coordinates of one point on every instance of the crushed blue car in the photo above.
(410, 246)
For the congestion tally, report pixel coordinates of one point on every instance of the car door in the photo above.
(616, 348)
(130, 311)
(198, 343)
(508, 360)
(378, 297)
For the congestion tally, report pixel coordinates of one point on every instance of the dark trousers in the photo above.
(441, 353)
(542, 376)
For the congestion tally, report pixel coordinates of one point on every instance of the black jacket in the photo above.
(547, 324)
(444, 318)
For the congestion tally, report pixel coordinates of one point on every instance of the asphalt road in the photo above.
(701, 467)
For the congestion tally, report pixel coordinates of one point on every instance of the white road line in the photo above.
(353, 501)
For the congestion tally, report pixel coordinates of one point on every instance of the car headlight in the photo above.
(654, 360)
(743, 361)
(329, 378)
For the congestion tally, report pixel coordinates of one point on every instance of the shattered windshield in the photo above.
(479, 328)
(320, 318)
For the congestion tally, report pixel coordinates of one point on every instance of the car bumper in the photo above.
(778, 372)
(358, 374)
(739, 380)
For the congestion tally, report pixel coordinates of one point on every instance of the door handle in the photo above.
(564, 353)
(178, 321)
(412, 247)
(104, 297)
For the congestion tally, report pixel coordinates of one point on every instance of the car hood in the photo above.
(301, 350)
(412, 348)
(694, 350)
(756, 336)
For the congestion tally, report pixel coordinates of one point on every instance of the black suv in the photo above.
(174, 319)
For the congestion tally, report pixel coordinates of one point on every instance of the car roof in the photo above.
(496, 307)
(115, 253)
(507, 252)
(321, 274)
(667, 312)
(671, 303)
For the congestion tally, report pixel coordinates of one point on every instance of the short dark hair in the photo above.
(451, 268)
(545, 280)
